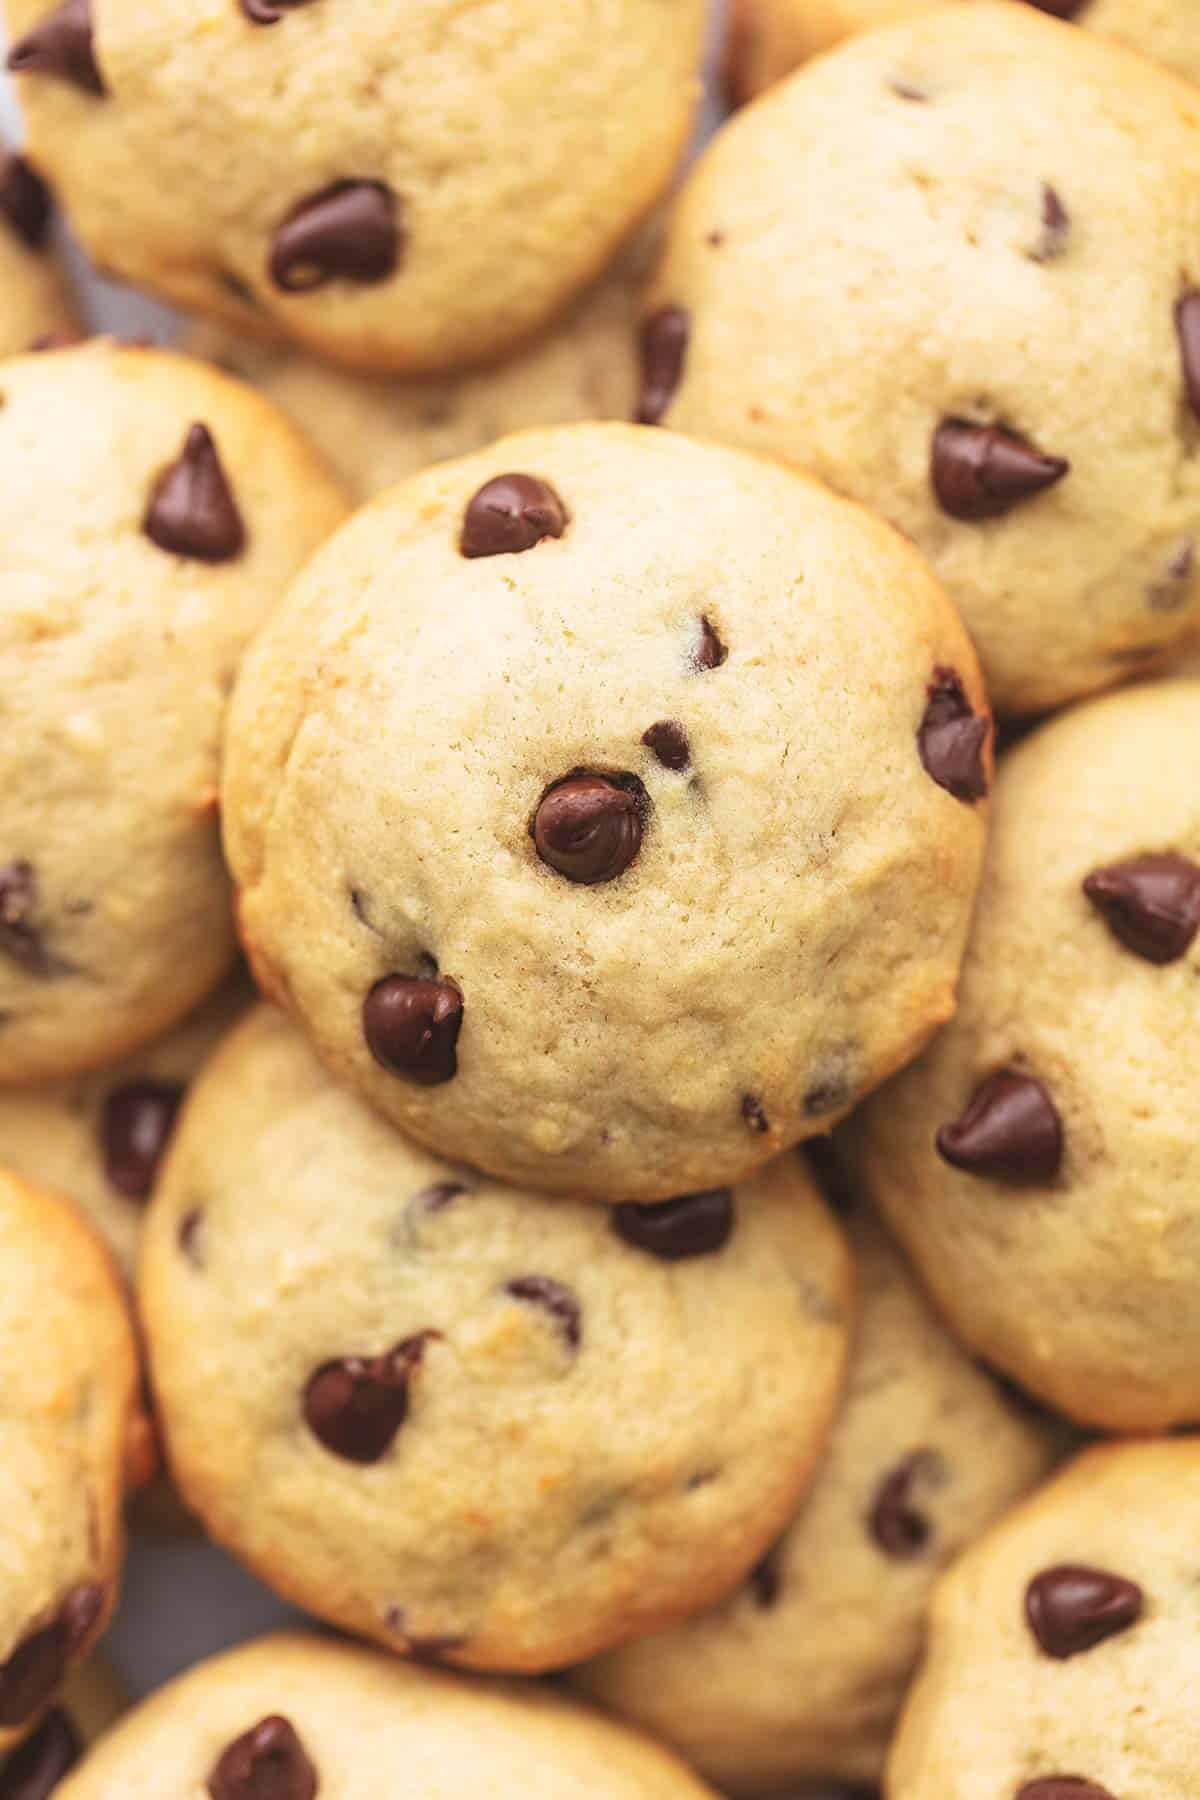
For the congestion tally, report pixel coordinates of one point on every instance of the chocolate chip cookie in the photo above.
(410, 186)
(299, 1716)
(1041, 1160)
(900, 270)
(34, 307)
(799, 1676)
(151, 511)
(571, 819)
(463, 1420)
(71, 1416)
(1058, 1666)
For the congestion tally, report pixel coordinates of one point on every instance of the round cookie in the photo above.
(799, 1676)
(99, 1138)
(568, 815)
(461, 1419)
(951, 267)
(303, 1716)
(88, 1702)
(151, 511)
(440, 180)
(71, 1419)
(1040, 1162)
(1062, 1648)
(33, 299)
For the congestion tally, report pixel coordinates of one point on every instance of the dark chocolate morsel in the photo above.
(589, 827)
(1072, 1608)
(35, 1767)
(753, 1114)
(554, 1298)
(511, 513)
(349, 231)
(983, 471)
(899, 1528)
(1060, 9)
(1010, 1131)
(61, 44)
(1063, 1787)
(669, 742)
(1150, 903)
(664, 343)
(36, 1667)
(1055, 229)
(710, 652)
(268, 1762)
(951, 739)
(1187, 330)
(135, 1127)
(355, 1405)
(692, 1225)
(411, 1025)
(192, 511)
(20, 940)
(24, 200)
(267, 12)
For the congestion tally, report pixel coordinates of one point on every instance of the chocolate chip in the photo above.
(1056, 227)
(1168, 593)
(904, 90)
(951, 739)
(1151, 903)
(897, 1526)
(135, 1125)
(1062, 1787)
(411, 1024)
(1010, 1131)
(692, 1225)
(669, 742)
(753, 1114)
(1187, 330)
(509, 514)
(61, 45)
(24, 200)
(558, 1301)
(427, 1647)
(1071, 1608)
(39, 1662)
(710, 652)
(190, 1237)
(266, 12)
(192, 511)
(20, 939)
(589, 827)
(355, 1405)
(35, 1768)
(268, 1762)
(764, 1581)
(664, 345)
(983, 471)
(347, 232)
(1060, 9)
(437, 1196)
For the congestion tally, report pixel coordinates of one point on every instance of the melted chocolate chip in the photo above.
(36, 1767)
(898, 1527)
(1060, 9)
(355, 1405)
(1010, 1131)
(347, 232)
(267, 12)
(24, 200)
(268, 1762)
(669, 742)
(190, 1237)
(692, 1225)
(1056, 227)
(192, 511)
(764, 1581)
(951, 739)
(753, 1114)
(1150, 903)
(509, 514)
(983, 471)
(710, 652)
(589, 827)
(557, 1300)
(1187, 330)
(61, 45)
(20, 940)
(664, 344)
(39, 1662)
(427, 1647)
(135, 1126)
(411, 1025)
(1062, 1787)
(1072, 1608)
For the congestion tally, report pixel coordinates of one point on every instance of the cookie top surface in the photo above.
(436, 186)
(70, 1409)
(571, 747)
(151, 511)
(33, 298)
(951, 268)
(461, 1419)
(349, 1724)
(1059, 1665)
(799, 1676)
(1040, 1161)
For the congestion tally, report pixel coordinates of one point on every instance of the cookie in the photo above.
(71, 1417)
(1040, 1161)
(1060, 1661)
(799, 1676)
(89, 1700)
(460, 1419)
(571, 820)
(440, 179)
(951, 267)
(99, 1138)
(302, 1716)
(151, 510)
(34, 306)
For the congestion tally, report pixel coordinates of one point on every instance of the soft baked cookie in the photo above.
(34, 307)
(799, 1676)
(952, 268)
(461, 1419)
(99, 1138)
(71, 1418)
(1041, 1161)
(374, 432)
(294, 1717)
(410, 186)
(1061, 1658)
(151, 511)
(571, 818)
(89, 1700)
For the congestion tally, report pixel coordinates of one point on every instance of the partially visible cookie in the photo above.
(798, 1677)
(34, 304)
(151, 511)
(70, 1418)
(299, 1717)
(464, 1420)
(89, 1700)
(1061, 1663)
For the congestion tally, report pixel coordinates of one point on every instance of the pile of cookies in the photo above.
(556, 1100)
